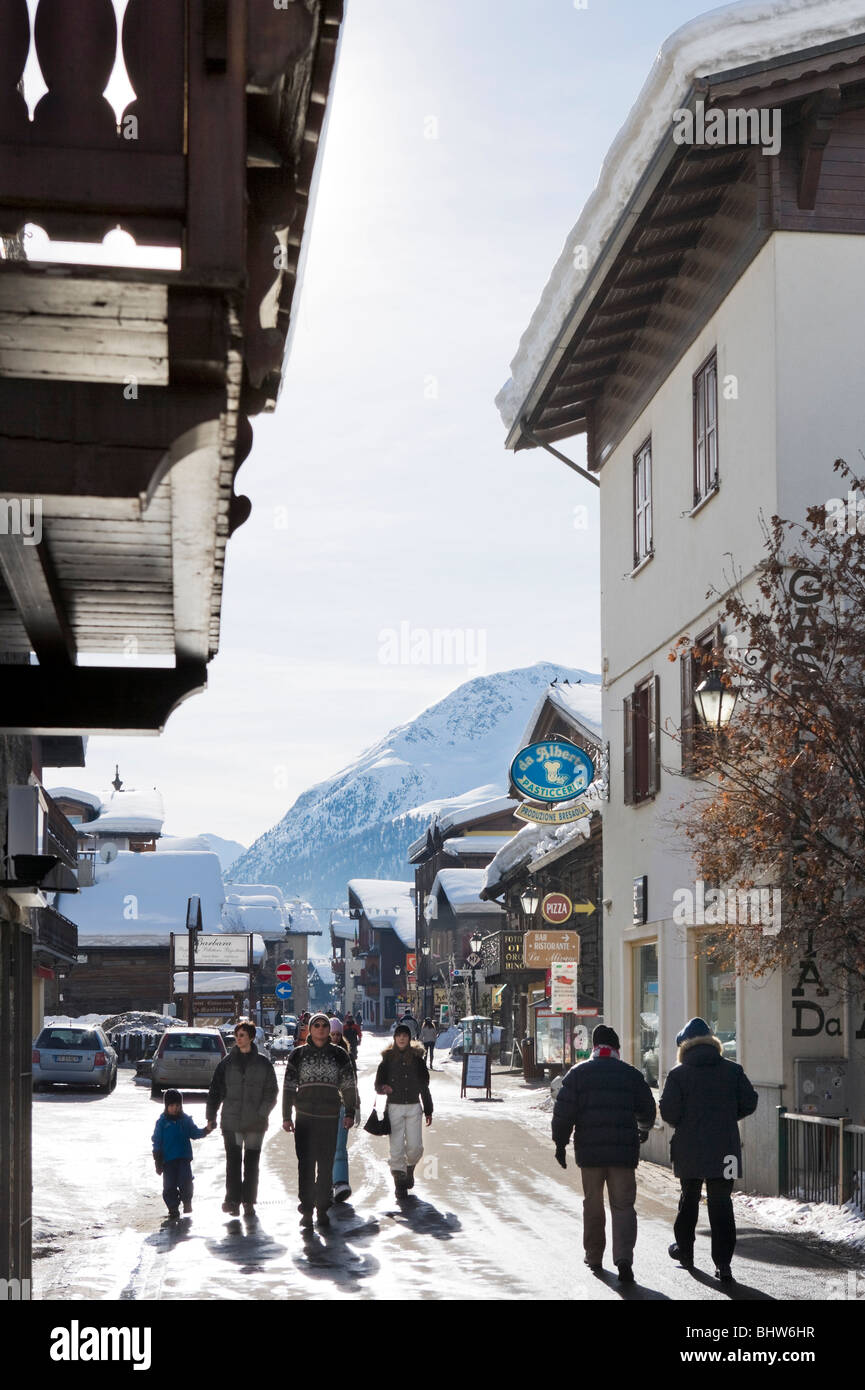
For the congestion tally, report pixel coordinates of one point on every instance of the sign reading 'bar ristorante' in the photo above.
(541, 948)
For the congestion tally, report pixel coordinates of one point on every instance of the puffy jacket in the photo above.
(247, 1089)
(405, 1071)
(172, 1135)
(605, 1102)
(317, 1081)
(705, 1097)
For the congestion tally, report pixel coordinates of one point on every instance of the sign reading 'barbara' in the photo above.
(554, 770)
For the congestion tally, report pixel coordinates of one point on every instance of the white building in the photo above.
(702, 329)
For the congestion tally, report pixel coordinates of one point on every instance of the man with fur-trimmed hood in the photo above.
(705, 1096)
(403, 1077)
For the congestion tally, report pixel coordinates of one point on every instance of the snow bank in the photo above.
(725, 38)
(820, 1220)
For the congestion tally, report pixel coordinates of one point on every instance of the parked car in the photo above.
(186, 1058)
(78, 1056)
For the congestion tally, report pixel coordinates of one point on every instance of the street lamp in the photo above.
(715, 702)
(529, 899)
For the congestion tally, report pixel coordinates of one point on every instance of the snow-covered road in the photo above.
(494, 1217)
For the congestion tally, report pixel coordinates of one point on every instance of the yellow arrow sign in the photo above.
(587, 908)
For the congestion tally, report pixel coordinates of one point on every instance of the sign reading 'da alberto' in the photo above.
(228, 948)
(542, 948)
(554, 770)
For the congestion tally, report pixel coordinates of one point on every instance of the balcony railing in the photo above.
(55, 934)
(38, 830)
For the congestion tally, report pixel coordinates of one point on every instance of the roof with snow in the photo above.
(76, 794)
(460, 846)
(140, 894)
(462, 810)
(128, 813)
(536, 845)
(723, 41)
(386, 903)
(170, 844)
(342, 926)
(580, 706)
(462, 888)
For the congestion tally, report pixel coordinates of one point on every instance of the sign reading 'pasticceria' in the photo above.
(554, 770)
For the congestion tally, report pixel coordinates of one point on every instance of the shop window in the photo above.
(642, 767)
(716, 993)
(643, 541)
(706, 429)
(646, 1011)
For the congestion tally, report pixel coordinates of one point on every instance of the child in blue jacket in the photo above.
(172, 1153)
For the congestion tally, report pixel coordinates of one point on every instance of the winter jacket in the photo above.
(605, 1102)
(352, 1031)
(317, 1081)
(247, 1089)
(172, 1135)
(428, 1034)
(410, 1022)
(406, 1072)
(704, 1098)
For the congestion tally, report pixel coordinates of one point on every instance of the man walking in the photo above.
(245, 1085)
(318, 1079)
(704, 1098)
(610, 1109)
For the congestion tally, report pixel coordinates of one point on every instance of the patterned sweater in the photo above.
(317, 1081)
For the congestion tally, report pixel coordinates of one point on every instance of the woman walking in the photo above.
(402, 1076)
(245, 1085)
(428, 1035)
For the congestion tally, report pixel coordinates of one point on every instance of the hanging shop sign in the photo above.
(224, 949)
(556, 908)
(555, 770)
(563, 987)
(542, 948)
(553, 815)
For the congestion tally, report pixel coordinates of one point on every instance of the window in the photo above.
(706, 429)
(643, 503)
(642, 741)
(646, 1011)
(694, 666)
(716, 994)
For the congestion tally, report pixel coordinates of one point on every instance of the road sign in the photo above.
(556, 908)
(587, 908)
(269, 1001)
(473, 960)
(283, 990)
(283, 971)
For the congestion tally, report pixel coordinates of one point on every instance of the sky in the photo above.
(463, 141)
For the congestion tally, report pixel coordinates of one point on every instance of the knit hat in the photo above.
(336, 1027)
(402, 1028)
(319, 1018)
(694, 1028)
(605, 1037)
(173, 1098)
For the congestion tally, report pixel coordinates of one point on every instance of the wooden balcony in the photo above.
(125, 393)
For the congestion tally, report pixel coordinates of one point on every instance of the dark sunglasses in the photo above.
(320, 1025)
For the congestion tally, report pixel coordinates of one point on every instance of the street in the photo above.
(494, 1216)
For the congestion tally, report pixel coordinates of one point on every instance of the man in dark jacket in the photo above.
(318, 1079)
(245, 1085)
(610, 1109)
(704, 1098)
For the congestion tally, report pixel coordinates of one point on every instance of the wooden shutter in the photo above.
(654, 723)
(629, 750)
(686, 673)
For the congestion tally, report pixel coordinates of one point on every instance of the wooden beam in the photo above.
(669, 221)
(95, 699)
(94, 181)
(818, 119)
(29, 575)
(669, 248)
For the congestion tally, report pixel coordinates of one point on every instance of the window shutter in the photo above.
(686, 672)
(654, 734)
(629, 750)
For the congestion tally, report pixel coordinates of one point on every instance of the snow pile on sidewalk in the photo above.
(820, 1220)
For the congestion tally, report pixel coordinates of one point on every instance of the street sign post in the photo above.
(283, 990)
(283, 971)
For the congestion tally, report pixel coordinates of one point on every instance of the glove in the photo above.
(644, 1134)
(561, 1157)
(158, 1164)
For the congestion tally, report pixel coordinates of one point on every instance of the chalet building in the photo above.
(347, 964)
(541, 859)
(285, 926)
(120, 444)
(709, 352)
(385, 914)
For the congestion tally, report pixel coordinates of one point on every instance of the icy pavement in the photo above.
(494, 1217)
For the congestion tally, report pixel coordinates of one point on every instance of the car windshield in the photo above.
(192, 1042)
(70, 1039)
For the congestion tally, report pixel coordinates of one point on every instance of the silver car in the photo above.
(186, 1058)
(78, 1056)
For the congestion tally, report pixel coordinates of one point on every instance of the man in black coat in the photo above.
(610, 1109)
(704, 1098)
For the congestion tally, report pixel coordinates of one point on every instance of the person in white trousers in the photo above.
(403, 1077)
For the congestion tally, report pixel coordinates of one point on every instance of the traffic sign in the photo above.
(283, 990)
(283, 971)
(473, 960)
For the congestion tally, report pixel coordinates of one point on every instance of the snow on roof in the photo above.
(579, 704)
(304, 919)
(722, 39)
(265, 917)
(342, 926)
(462, 845)
(138, 894)
(255, 890)
(128, 813)
(462, 810)
(387, 903)
(172, 843)
(462, 889)
(76, 794)
(535, 843)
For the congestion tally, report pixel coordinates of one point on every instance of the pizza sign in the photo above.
(556, 908)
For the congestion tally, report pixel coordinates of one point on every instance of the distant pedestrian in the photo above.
(302, 1029)
(341, 1181)
(172, 1153)
(351, 1031)
(705, 1096)
(610, 1109)
(409, 1021)
(245, 1085)
(319, 1080)
(402, 1076)
(428, 1035)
